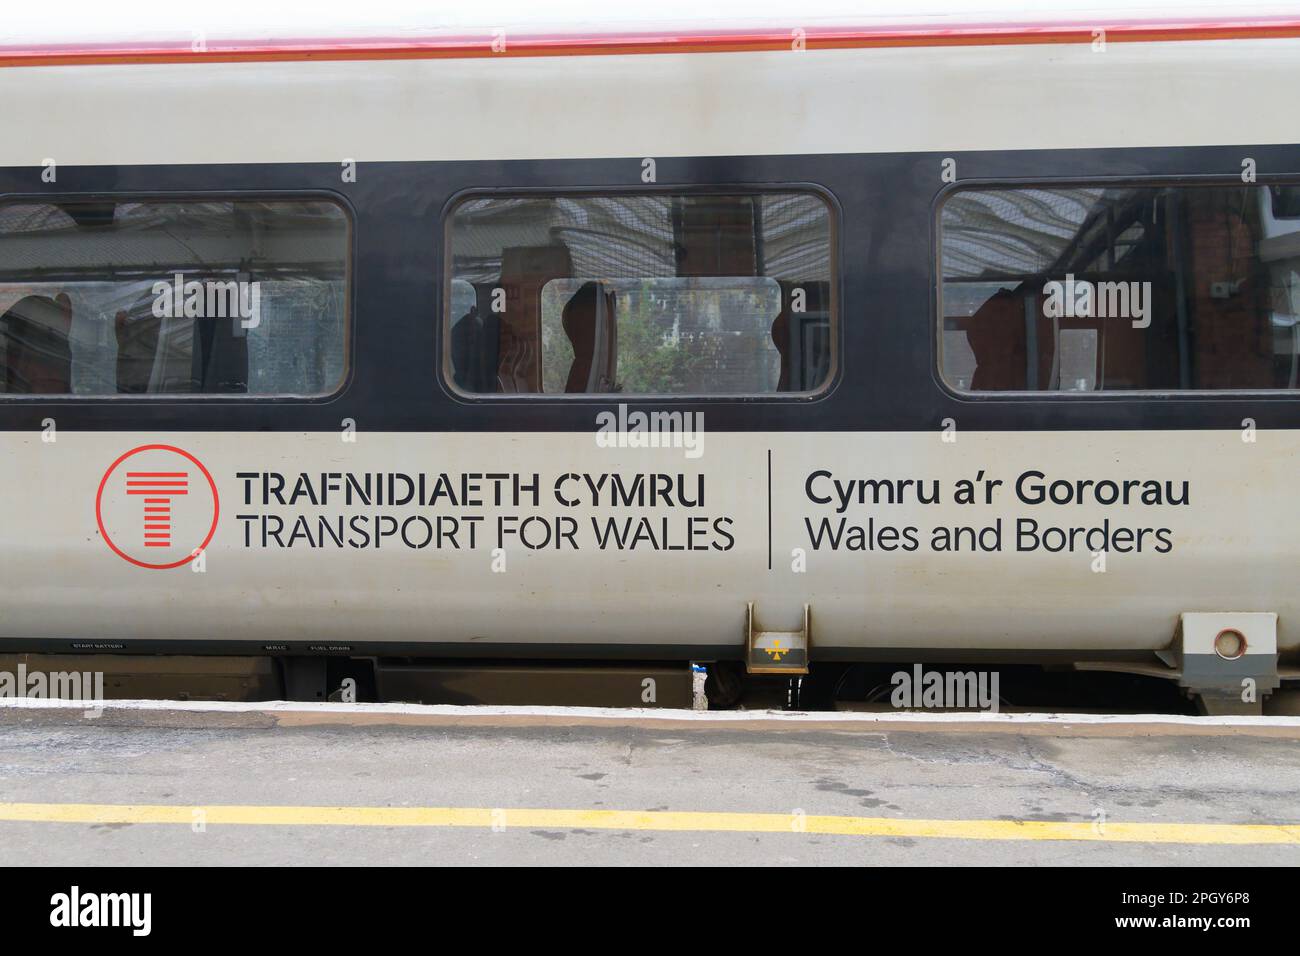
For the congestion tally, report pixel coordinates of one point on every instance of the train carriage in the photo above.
(803, 339)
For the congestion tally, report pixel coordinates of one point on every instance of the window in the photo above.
(649, 294)
(1114, 289)
(152, 297)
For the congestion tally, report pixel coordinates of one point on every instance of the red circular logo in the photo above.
(157, 506)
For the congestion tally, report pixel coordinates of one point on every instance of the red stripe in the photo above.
(156, 491)
(596, 44)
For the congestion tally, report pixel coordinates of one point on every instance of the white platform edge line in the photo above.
(613, 714)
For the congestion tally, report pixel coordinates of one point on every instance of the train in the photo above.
(770, 340)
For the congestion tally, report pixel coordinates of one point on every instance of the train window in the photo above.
(640, 294)
(1114, 289)
(153, 297)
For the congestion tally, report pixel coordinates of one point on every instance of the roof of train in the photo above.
(144, 30)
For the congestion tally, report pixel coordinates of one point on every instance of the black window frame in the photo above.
(338, 200)
(1043, 396)
(835, 371)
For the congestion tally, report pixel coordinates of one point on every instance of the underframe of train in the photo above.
(1216, 663)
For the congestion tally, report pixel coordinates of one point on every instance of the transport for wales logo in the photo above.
(157, 507)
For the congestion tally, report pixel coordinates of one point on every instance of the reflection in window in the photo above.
(1126, 288)
(172, 298)
(640, 294)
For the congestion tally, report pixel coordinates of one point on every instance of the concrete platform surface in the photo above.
(390, 784)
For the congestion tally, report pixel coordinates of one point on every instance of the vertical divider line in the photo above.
(769, 509)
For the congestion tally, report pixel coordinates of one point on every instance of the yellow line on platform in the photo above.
(663, 820)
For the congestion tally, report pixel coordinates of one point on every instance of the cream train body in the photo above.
(1222, 533)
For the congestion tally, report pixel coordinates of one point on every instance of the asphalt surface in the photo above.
(1063, 772)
